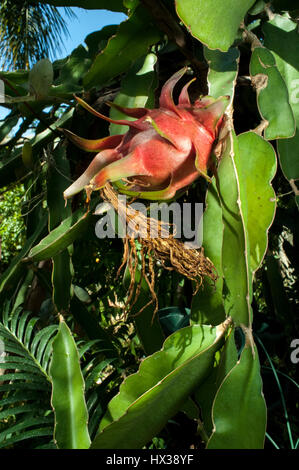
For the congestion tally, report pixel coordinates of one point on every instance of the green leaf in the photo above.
(16, 84)
(272, 95)
(256, 167)
(68, 399)
(21, 426)
(71, 73)
(34, 433)
(131, 4)
(81, 294)
(215, 23)
(205, 394)
(132, 40)
(40, 341)
(223, 70)
(163, 382)
(62, 280)
(57, 182)
(257, 8)
(15, 365)
(243, 210)
(137, 90)
(281, 37)
(248, 176)
(17, 77)
(58, 177)
(248, 205)
(239, 411)
(97, 40)
(62, 236)
(235, 248)
(113, 5)
(207, 305)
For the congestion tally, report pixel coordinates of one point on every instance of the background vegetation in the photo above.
(59, 290)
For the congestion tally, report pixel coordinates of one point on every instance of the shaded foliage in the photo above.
(171, 369)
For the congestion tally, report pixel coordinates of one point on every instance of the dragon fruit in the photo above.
(164, 151)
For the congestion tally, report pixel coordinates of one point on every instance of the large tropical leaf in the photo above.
(238, 410)
(163, 382)
(213, 23)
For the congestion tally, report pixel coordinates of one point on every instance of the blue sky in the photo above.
(86, 22)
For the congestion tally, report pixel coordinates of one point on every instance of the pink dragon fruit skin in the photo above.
(164, 151)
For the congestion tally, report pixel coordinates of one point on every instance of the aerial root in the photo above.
(155, 244)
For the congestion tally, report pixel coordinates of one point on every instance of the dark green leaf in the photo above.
(173, 318)
(57, 182)
(97, 40)
(70, 77)
(38, 432)
(207, 304)
(62, 236)
(132, 40)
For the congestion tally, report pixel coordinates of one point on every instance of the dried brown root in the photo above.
(156, 244)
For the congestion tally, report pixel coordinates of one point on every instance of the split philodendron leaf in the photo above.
(165, 149)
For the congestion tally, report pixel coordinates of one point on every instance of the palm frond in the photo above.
(30, 32)
(97, 379)
(25, 387)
